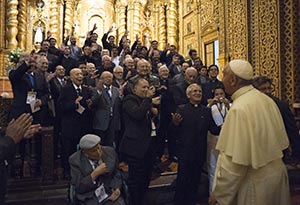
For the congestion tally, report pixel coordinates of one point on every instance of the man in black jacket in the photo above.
(137, 144)
(192, 122)
(76, 117)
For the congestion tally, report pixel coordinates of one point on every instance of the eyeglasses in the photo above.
(118, 72)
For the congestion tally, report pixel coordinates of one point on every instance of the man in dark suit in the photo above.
(137, 143)
(212, 83)
(16, 131)
(56, 84)
(103, 100)
(95, 174)
(26, 83)
(264, 84)
(74, 103)
(192, 122)
(179, 90)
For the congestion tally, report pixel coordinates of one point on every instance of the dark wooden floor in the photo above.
(31, 192)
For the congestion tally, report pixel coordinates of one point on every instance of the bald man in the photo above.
(76, 118)
(250, 169)
(103, 100)
(190, 76)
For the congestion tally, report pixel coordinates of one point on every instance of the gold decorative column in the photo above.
(54, 20)
(162, 32)
(172, 21)
(134, 8)
(69, 17)
(120, 19)
(12, 24)
(22, 24)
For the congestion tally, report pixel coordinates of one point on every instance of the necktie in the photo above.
(31, 78)
(108, 91)
(79, 92)
(95, 164)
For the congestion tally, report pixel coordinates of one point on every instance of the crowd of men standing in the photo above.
(135, 98)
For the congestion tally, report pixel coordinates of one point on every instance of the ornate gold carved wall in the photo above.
(264, 40)
(266, 32)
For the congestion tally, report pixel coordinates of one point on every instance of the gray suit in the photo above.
(103, 107)
(81, 170)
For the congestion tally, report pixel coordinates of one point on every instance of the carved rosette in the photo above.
(12, 24)
(172, 20)
(162, 32)
(22, 25)
(69, 17)
(54, 19)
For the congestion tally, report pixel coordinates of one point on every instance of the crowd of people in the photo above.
(131, 104)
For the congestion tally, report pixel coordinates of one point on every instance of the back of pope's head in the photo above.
(242, 69)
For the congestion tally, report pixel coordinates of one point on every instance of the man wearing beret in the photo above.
(250, 169)
(94, 173)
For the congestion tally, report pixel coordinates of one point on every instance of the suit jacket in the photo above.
(290, 126)
(103, 106)
(21, 85)
(137, 134)
(55, 89)
(7, 149)
(192, 131)
(81, 170)
(74, 124)
(174, 70)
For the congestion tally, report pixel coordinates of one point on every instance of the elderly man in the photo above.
(250, 168)
(94, 172)
(74, 103)
(192, 122)
(103, 101)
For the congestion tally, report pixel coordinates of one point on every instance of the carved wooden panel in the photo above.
(264, 48)
(289, 27)
(237, 32)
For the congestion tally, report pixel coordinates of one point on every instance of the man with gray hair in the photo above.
(250, 169)
(192, 122)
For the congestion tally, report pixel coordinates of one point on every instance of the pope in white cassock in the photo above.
(250, 170)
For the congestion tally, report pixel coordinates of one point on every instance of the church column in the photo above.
(12, 24)
(22, 25)
(162, 32)
(134, 9)
(69, 17)
(121, 20)
(172, 21)
(54, 20)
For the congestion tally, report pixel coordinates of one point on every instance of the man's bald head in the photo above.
(107, 78)
(191, 75)
(76, 76)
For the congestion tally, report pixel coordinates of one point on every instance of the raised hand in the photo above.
(16, 129)
(176, 118)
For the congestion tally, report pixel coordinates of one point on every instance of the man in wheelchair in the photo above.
(94, 173)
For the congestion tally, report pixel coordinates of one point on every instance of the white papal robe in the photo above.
(250, 170)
